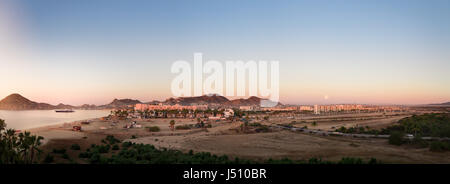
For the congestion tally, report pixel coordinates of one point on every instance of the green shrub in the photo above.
(439, 146)
(373, 161)
(115, 147)
(85, 154)
(183, 127)
(418, 141)
(126, 144)
(75, 147)
(59, 151)
(153, 129)
(262, 128)
(348, 160)
(48, 159)
(254, 124)
(102, 148)
(65, 156)
(112, 140)
(396, 138)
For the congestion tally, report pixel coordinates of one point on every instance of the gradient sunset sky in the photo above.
(350, 51)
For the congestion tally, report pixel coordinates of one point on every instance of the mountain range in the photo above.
(18, 102)
(444, 104)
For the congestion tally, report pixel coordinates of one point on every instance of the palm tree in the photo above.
(28, 145)
(19, 148)
(10, 137)
(415, 128)
(2, 125)
(35, 143)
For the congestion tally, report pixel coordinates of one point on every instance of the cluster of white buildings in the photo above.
(316, 109)
(143, 107)
(356, 107)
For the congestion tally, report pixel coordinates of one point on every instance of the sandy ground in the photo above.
(296, 146)
(223, 138)
(331, 122)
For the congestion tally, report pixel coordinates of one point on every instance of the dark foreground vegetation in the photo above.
(426, 125)
(18, 148)
(131, 153)
(23, 148)
(436, 125)
(398, 138)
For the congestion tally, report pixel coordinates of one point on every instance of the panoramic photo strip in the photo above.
(214, 91)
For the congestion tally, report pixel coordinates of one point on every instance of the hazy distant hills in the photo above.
(205, 99)
(64, 106)
(18, 102)
(215, 100)
(116, 103)
(252, 101)
(446, 103)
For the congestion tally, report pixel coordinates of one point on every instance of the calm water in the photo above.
(36, 118)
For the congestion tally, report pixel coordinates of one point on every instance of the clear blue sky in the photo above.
(361, 51)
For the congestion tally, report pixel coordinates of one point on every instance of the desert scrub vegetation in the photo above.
(426, 125)
(132, 153)
(440, 146)
(153, 129)
(259, 127)
(183, 127)
(75, 147)
(432, 125)
(396, 138)
(59, 151)
(148, 154)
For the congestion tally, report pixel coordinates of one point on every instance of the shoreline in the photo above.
(34, 119)
(59, 131)
(58, 125)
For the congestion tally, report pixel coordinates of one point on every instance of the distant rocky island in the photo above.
(18, 102)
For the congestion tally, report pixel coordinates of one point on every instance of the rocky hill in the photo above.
(252, 101)
(205, 99)
(116, 103)
(18, 102)
(215, 100)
